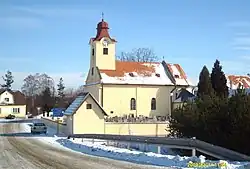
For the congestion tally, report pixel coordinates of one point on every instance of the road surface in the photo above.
(29, 153)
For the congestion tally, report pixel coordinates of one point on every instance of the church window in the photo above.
(153, 104)
(105, 51)
(132, 104)
(92, 71)
(93, 52)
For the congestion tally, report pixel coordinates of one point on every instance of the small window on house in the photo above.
(111, 112)
(131, 74)
(153, 104)
(93, 52)
(176, 76)
(89, 106)
(133, 104)
(92, 71)
(16, 110)
(158, 75)
(176, 95)
(6, 99)
(105, 51)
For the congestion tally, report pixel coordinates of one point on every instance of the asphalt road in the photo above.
(30, 153)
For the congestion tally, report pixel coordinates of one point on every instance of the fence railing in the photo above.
(180, 143)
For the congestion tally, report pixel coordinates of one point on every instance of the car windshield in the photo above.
(39, 124)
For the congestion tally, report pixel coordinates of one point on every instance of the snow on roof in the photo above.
(179, 75)
(233, 81)
(136, 73)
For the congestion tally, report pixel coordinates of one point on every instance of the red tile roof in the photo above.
(243, 80)
(179, 68)
(129, 67)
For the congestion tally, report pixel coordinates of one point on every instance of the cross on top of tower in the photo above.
(102, 16)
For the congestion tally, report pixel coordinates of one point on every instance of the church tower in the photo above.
(102, 48)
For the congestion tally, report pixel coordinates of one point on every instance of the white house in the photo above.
(12, 102)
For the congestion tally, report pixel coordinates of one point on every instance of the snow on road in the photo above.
(98, 148)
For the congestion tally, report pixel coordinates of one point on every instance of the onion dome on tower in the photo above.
(102, 31)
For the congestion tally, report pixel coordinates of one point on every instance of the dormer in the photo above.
(131, 74)
(176, 76)
(157, 75)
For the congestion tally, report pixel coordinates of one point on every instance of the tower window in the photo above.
(92, 71)
(105, 51)
(132, 104)
(93, 52)
(153, 104)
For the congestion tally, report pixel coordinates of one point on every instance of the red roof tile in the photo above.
(236, 80)
(129, 67)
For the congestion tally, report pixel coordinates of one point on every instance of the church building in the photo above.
(130, 88)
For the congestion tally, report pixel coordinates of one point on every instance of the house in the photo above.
(85, 115)
(233, 81)
(12, 102)
(130, 88)
(183, 95)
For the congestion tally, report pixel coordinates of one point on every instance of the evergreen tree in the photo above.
(8, 79)
(204, 85)
(219, 81)
(61, 88)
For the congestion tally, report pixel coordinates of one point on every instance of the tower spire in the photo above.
(102, 16)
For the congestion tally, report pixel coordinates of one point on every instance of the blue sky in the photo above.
(52, 36)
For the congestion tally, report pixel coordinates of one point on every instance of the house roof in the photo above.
(74, 106)
(136, 73)
(183, 96)
(19, 98)
(233, 81)
(150, 73)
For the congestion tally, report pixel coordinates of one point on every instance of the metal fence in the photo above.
(180, 143)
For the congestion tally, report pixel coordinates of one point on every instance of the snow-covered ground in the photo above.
(100, 148)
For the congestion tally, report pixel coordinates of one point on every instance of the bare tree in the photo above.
(139, 55)
(35, 84)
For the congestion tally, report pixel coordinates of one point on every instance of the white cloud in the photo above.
(19, 22)
(16, 59)
(241, 47)
(239, 24)
(246, 57)
(63, 11)
(71, 80)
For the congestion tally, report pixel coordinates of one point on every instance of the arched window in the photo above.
(153, 104)
(132, 104)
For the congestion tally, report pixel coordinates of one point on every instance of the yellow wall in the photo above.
(117, 99)
(8, 109)
(100, 60)
(147, 129)
(86, 121)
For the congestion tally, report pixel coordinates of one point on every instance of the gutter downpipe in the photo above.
(102, 95)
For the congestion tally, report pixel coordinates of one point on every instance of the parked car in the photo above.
(30, 116)
(38, 127)
(10, 116)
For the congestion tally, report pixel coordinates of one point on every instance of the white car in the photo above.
(38, 127)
